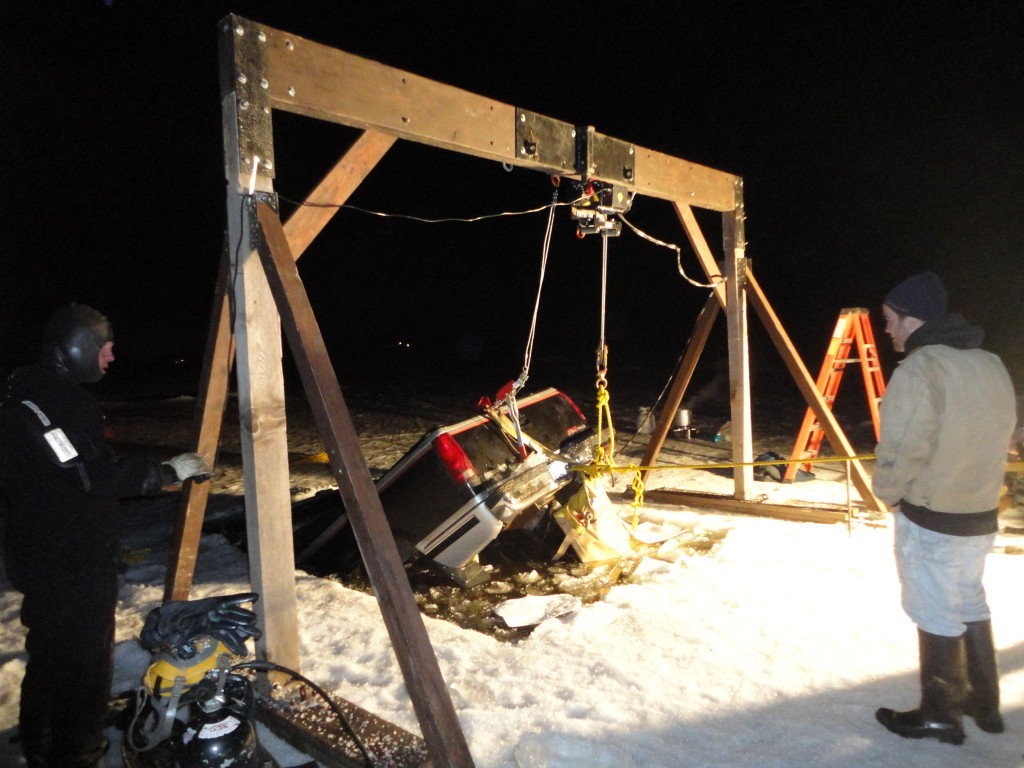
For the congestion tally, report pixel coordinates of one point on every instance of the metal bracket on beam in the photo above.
(545, 144)
(603, 157)
(251, 201)
(244, 78)
(738, 236)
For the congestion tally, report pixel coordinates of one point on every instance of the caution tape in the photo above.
(592, 469)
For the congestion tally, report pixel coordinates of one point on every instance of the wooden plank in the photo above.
(731, 295)
(257, 331)
(311, 79)
(315, 80)
(434, 709)
(735, 245)
(266, 475)
(212, 397)
(698, 339)
(303, 225)
(305, 721)
(797, 369)
(805, 514)
(700, 246)
(264, 442)
(671, 178)
(334, 189)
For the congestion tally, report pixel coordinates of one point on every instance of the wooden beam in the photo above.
(434, 709)
(303, 226)
(805, 383)
(735, 245)
(671, 178)
(804, 514)
(694, 347)
(298, 715)
(248, 166)
(334, 189)
(700, 246)
(732, 296)
(308, 78)
(316, 80)
(209, 418)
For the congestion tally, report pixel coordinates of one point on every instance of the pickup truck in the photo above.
(459, 487)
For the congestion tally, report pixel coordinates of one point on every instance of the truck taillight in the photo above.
(454, 458)
(572, 430)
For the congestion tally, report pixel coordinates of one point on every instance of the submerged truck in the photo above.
(460, 487)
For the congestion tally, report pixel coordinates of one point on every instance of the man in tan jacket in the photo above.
(947, 417)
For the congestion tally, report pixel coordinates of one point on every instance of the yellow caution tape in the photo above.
(591, 469)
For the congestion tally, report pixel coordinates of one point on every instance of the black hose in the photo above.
(269, 666)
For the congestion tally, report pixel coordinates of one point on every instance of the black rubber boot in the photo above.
(983, 675)
(90, 755)
(943, 690)
(34, 731)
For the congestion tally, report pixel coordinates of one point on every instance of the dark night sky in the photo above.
(873, 143)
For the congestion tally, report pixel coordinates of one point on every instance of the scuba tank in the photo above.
(192, 710)
(221, 733)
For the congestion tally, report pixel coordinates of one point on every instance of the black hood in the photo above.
(950, 330)
(74, 336)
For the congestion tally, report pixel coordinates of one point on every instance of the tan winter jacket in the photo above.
(947, 417)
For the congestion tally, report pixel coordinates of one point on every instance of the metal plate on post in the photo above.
(243, 73)
(605, 158)
(545, 143)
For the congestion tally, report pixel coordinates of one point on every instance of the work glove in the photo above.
(179, 622)
(184, 466)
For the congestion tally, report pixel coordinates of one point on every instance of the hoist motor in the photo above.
(596, 209)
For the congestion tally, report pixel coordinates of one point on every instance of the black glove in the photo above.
(180, 621)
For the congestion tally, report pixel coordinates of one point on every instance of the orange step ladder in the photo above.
(854, 325)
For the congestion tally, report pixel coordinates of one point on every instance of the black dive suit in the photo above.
(63, 483)
(61, 552)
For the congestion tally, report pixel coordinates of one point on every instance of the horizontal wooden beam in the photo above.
(304, 77)
(316, 80)
(671, 178)
(805, 514)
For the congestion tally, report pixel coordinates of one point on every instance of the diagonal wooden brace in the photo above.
(434, 709)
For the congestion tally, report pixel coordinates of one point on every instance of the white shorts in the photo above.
(940, 577)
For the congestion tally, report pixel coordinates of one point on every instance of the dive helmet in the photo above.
(74, 336)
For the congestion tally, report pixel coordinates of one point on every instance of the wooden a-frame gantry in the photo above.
(259, 293)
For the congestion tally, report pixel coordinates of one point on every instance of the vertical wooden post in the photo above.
(248, 168)
(739, 347)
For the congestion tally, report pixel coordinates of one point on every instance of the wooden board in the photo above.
(808, 514)
(304, 720)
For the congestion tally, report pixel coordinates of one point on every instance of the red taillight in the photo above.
(455, 459)
(583, 419)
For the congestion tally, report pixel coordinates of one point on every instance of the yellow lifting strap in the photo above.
(604, 456)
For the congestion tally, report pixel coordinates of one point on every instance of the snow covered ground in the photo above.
(773, 650)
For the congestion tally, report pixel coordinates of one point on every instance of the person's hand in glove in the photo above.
(186, 465)
(181, 621)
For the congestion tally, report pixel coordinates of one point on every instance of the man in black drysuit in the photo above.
(63, 484)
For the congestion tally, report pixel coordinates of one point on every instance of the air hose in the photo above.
(269, 666)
